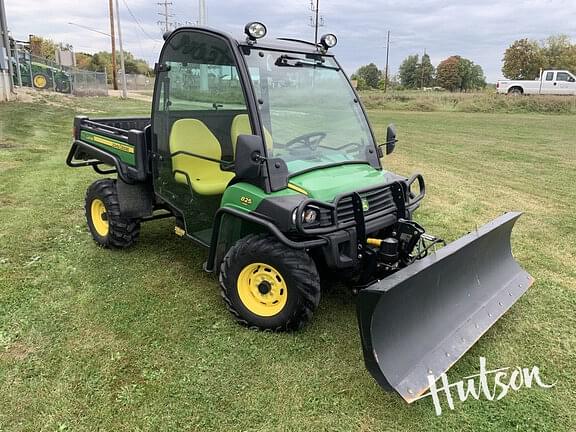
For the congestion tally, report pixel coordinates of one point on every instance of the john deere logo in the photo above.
(365, 204)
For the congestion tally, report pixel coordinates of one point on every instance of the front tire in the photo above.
(269, 286)
(108, 228)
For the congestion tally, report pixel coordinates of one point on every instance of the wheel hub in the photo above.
(262, 289)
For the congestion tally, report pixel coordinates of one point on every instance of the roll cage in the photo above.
(274, 180)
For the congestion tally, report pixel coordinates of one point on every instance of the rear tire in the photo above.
(40, 81)
(269, 286)
(515, 91)
(108, 228)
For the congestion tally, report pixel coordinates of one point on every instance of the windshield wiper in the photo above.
(288, 61)
(328, 165)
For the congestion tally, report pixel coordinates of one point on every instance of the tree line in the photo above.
(525, 57)
(455, 73)
(98, 62)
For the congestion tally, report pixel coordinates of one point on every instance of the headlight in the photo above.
(329, 40)
(255, 30)
(310, 215)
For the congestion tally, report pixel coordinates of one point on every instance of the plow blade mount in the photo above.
(420, 320)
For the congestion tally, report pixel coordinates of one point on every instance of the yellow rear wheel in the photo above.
(262, 289)
(99, 217)
(106, 224)
(40, 81)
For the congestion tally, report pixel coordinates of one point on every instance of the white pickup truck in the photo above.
(551, 82)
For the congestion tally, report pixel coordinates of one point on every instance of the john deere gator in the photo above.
(261, 151)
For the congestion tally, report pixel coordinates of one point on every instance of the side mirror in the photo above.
(249, 156)
(391, 139)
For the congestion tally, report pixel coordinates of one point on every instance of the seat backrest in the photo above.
(193, 136)
(241, 126)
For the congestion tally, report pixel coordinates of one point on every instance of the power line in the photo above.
(166, 14)
(90, 29)
(138, 22)
(317, 20)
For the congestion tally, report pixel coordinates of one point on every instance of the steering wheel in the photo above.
(310, 140)
(352, 147)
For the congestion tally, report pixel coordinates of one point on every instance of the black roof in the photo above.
(280, 44)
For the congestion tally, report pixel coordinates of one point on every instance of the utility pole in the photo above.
(203, 21)
(166, 14)
(422, 71)
(387, 56)
(124, 89)
(6, 43)
(317, 20)
(202, 16)
(113, 40)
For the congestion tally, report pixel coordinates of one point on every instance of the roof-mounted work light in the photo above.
(255, 30)
(329, 40)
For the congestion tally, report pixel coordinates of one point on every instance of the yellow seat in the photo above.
(241, 126)
(206, 177)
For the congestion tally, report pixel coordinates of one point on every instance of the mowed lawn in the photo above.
(92, 339)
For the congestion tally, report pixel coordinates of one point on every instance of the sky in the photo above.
(478, 30)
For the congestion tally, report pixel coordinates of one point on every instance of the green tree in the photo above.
(370, 74)
(559, 53)
(43, 48)
(427, 71)
(83, 60)
(409, 72)
(471, 75)
(523, 60)
(102, 61)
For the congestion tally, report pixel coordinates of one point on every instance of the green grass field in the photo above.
(92, 339)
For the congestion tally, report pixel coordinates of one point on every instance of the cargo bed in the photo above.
(120, 143)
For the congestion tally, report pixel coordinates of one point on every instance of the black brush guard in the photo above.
(420, 320)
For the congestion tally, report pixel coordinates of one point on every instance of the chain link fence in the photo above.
(141, 84)
(88, 83)
(43, 74)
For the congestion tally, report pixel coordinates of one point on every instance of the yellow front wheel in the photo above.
(267, 285)
(262, 289)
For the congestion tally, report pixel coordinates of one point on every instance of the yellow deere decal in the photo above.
(297, 188)
(113, 144)
(179, 231)
(246, 200)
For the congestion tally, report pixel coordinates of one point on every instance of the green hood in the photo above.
(325, 184)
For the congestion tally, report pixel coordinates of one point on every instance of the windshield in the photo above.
(308, 109)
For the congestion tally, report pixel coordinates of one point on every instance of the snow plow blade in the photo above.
(420, 320)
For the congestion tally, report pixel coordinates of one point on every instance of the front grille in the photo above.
(379, 201)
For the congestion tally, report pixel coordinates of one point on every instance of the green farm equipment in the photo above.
(261, 151)
(38, 73)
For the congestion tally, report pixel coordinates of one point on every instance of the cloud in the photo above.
(477, 30)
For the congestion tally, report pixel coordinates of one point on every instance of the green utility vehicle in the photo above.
(261, 151)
